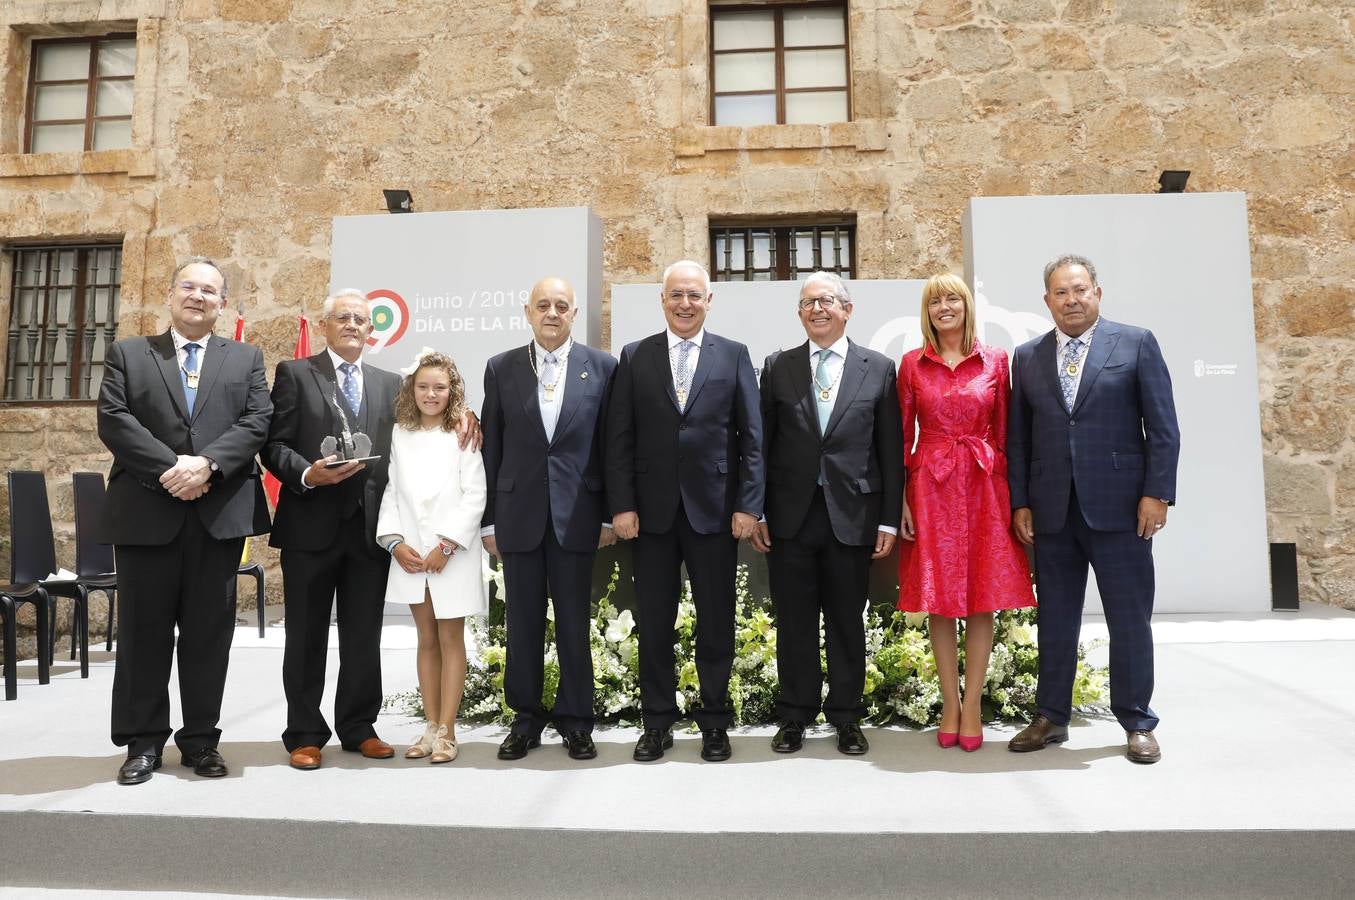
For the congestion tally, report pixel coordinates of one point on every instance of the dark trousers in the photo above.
(528, 578)
(710, 560)
(809, 574)
(311, 582)
(1123, 563)
(182, 583)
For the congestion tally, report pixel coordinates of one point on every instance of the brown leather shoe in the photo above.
(375, 748)
(1143, 747)
(1037, 735)
(306, 758)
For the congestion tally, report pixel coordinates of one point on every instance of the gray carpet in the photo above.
(342, 859)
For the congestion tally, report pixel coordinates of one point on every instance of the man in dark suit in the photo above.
(1092, 447)
(685, 478)
(833, 442)
(546, 514)
(326, 529)
(183, 414)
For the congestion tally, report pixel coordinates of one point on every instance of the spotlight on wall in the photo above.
(1171, 181)
(399, 201)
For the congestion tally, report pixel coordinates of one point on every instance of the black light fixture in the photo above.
(399, 201)
(1171, 181)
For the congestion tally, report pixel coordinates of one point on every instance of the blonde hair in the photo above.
(940, 286)
(407, 410)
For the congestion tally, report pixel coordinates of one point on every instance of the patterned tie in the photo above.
(550, 411)
(822, 379)
(352, 392)
(1067, 380)
(190, 367)
(684, 374)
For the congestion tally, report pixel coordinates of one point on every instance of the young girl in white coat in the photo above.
(430, 522)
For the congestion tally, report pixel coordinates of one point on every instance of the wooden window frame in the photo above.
(781, 266)
(81, 333)
(779, 50)
(91, 87)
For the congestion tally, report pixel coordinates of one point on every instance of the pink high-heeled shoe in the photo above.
(970, 743)
(947, 738)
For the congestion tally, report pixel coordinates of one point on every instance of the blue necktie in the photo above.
(351, 391)
(549, 409)
(190, 367)
(1067, 380)
(684, 375)
(823, 382)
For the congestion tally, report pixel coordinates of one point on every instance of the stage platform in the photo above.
(1254, 797)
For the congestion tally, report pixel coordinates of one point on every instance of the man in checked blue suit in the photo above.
(1092, 447)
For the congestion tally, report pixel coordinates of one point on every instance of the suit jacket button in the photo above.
(682, 427)
(193, 432)
(1072, 422)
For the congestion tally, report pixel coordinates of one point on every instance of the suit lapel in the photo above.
(703, 366)
(525, 382)
(581, 378)
(658, 346)
(1104, 339)
(167, 360)
(326, 383)
(1046, 360)
(797, 358)
(211, 370)
(853, 376)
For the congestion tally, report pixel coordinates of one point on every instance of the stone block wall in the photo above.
(256, 121)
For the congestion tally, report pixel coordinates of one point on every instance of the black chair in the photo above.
(33, 558)
(253, 570)
(93, 560)
(24, 587)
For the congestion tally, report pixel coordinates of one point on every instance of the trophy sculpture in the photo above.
(351, 446)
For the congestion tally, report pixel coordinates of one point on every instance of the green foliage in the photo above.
(901, 684)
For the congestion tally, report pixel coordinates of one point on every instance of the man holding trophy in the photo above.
(329, 445)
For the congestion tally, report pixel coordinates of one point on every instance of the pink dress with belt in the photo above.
(966, 558)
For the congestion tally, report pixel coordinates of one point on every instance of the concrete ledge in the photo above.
(139, 163)
(866, 135)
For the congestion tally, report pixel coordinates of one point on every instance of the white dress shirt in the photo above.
(1062, 340)
(693, 354)
(835, 364)
(180, 341)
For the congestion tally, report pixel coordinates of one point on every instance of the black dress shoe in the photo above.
(850, 740)
(580, 745)
(652, 744)
(515, 746)
(138, 768)
(206, 763)
(789, 738)
(715, 745)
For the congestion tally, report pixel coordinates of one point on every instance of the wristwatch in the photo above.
(446, 548)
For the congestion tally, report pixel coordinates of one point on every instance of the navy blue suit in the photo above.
(546, 504)
(1082, 473)
(685, 473)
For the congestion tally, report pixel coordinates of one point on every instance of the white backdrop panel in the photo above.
(457, 281)
(1180, 265)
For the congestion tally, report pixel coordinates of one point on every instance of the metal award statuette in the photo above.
(352, 445)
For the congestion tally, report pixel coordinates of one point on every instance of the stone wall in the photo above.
(259, 120)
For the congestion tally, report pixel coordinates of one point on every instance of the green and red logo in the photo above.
(390, 318)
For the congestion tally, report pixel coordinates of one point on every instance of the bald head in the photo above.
(550, 311)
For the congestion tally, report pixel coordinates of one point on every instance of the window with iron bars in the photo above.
(744, 251)
(63, 314)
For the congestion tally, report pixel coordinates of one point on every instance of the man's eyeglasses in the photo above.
(188, 289)
(346, 318)
(826, 301)
(679, 296)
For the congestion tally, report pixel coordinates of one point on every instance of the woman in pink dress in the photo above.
(959, 558)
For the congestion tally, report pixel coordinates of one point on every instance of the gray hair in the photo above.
(834, 281)
(195, 261)
(1069, 259)
(344, 294)
(683, 263)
